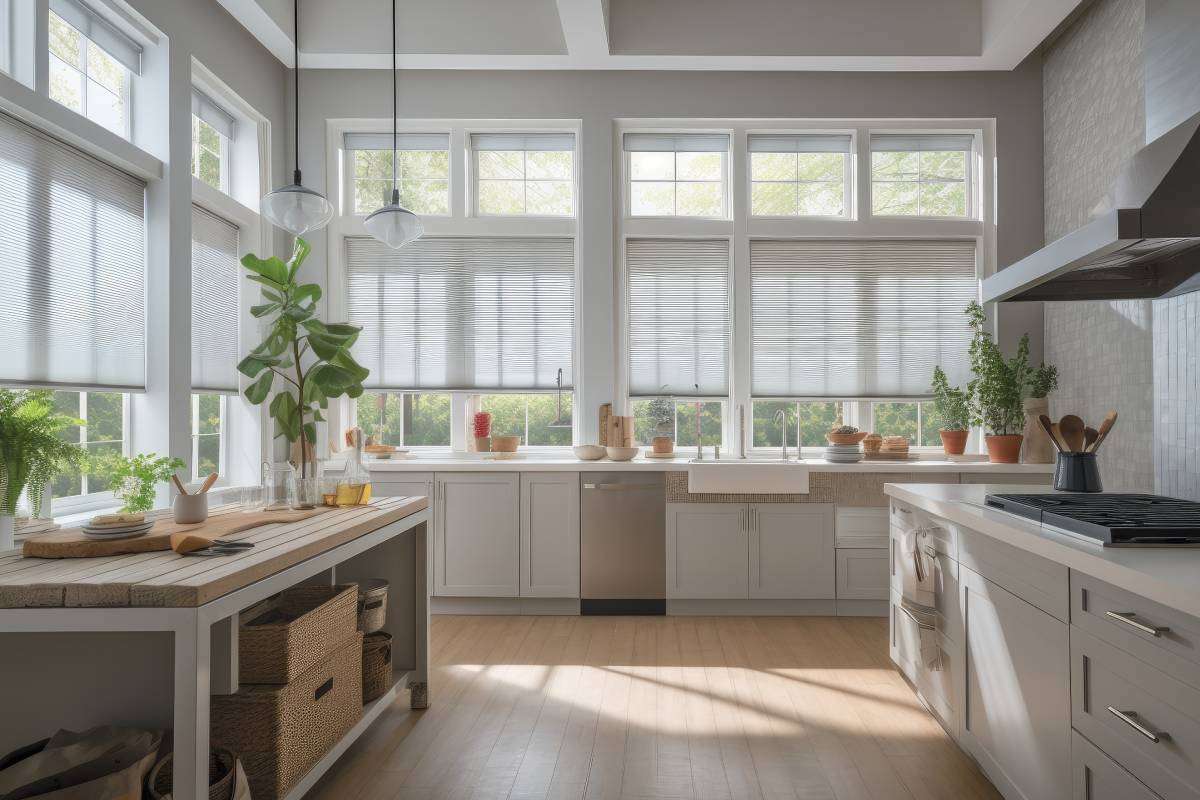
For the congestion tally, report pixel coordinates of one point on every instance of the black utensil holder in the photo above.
(1077, 472)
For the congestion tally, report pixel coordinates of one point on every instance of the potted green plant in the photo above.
(1037, 448)
(134, 479)
(953, 406)
(311, 359)
(998, 389)
(31, 452)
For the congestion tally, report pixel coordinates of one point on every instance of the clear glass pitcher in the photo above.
(277, 486)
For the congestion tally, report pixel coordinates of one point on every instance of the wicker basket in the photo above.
(280, 732)
(221, 763)
(284, 635)
(376, 665)
(372, 605)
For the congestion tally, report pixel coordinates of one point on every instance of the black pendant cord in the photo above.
(296, 59)
(395, 105)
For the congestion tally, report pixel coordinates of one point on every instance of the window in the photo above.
(533, 417)
(90, 65)
(921, 175)
(463, 313)
(916, 421)
(208, 445)
(678, 317)
(677, 175)
(530, 174)
(212, 131)
(807, 422)
(102, 434)
(72, 263)
(215, 274)
(405, 419)
(422, 171)
(799, 175)
(665, 416)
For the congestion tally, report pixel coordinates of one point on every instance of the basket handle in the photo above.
(323, 689)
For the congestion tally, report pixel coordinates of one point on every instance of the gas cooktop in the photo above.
(1121, 520)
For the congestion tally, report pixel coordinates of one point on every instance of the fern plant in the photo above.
(953, 404)
(31, 450)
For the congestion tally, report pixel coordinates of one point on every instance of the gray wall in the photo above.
(597, 98)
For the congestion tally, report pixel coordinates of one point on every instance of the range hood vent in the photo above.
(1143, 240)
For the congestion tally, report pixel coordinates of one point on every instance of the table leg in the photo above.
(419, 683)
(192, 662)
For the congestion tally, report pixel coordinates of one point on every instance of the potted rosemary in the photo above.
(953, 405)
(31, 453)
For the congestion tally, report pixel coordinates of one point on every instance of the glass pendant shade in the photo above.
(296, 209)
(394, 225)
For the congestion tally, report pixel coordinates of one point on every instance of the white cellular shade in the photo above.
(858, 318)
(404, 141)
(463, 313)
(921, 142)
(676, 142)
(107, 36)
(800, 143)
(72, 266)
(213, 114)
(678, 301)
(538, 142)
(215, 272)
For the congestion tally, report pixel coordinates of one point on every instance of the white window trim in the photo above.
(93, 501)
(222, 435)
(472, 172)
(222, 156)
(974, 179)
(460, 222)
(727, 159)
(126, 81)
(849, 188)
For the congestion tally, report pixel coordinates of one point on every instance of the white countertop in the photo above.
(542, 463)
(1166, 575)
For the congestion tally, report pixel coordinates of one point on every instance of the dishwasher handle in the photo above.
(620, 487)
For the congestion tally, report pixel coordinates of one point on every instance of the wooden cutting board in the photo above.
(71, 543)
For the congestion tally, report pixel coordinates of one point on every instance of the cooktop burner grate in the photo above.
(1113, 519)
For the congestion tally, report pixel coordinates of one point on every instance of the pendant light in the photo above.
(296, 208)
(394, 225)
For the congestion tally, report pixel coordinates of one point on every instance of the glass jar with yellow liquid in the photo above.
(354, 486)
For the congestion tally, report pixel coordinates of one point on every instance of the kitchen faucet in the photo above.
(781, 418)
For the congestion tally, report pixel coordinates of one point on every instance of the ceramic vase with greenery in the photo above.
(953, 405)
(32, 452)
(308, 360)
(135, 479)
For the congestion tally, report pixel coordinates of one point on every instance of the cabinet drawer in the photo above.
(1164, 637)
(1124, 705)
(935, 688)
(862, 574)
(945, 579)
(862, 527)
(1036, 580)
(903, 517)
(1095, 776)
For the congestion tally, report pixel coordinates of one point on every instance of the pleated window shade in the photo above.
(858, 318)
(215, 269)
(492, 314)
(678, 317)
(72, 266)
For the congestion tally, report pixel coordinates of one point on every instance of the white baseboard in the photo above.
(777, 608)
(508, 606)
(862, 608)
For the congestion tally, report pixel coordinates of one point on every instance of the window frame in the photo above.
(626, 175)
(973, 180)
(345, 205)
(223, 155)
(850, 192)
(472, 176)
(126, 80)
(222, 436)
(91, 501)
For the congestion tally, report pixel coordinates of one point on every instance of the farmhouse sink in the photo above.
(748, 477)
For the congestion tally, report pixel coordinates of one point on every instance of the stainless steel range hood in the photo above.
(1143, 241)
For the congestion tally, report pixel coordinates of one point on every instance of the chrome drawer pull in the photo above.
(1130, 719)
(1129, 618)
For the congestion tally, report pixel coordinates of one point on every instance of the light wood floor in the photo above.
(658, 707)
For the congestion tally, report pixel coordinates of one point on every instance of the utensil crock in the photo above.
(1077, 472)
(190, 509)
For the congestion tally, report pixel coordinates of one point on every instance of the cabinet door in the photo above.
(477, 535)
(706, 551)
(408, 484)
(1095, 776)
(792, 553)
(862, 574)
(1017, 716)
(550, 534)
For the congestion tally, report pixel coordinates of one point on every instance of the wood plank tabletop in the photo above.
(165, 579)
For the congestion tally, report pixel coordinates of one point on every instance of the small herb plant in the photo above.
(845, 430)
(31, 450)
(134, 479)
(953, 404)
(661, 411)
(1000, 385)
(1045, 381)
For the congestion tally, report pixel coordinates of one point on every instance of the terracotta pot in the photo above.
(1004, 449)
(483, 444)
(505, 444)
(663, 445)
(954, 443)
(1037, 448)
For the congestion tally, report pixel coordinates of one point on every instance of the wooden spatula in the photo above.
(1105, 427)
(1048, 427)
(1070, 428)
(1090, 435)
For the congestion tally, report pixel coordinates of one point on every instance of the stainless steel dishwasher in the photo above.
(623, 543)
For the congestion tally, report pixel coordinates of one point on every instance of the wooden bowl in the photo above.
(845, 438)
(505, 444)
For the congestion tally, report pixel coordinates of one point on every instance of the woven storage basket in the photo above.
(221, 763)
(284, 635)
(376, 665)
(372, 605)
(280, 732)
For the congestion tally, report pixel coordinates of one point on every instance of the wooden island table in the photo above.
(144, 639)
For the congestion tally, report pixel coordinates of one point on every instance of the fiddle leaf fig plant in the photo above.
(311, 359)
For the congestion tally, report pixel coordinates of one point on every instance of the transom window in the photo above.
(422, 171)
(528, 174)
(677, 175)
(212, 131)
(90, 64)
(921, 175)
(799, 175)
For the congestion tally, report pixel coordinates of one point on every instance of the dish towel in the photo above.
(918, 568)
(925, 619)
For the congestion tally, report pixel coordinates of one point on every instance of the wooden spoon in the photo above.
(1071, 428)
(1105, 427)
(178, 484)
(1048, 427)
(1090, 435)
(208, 482)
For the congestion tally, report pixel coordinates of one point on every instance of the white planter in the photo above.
(8, 529)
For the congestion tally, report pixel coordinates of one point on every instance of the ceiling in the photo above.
(659, 34)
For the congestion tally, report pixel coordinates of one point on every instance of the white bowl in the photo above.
(589, 452)
(623, 453)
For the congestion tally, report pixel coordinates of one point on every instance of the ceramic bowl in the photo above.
(622, 453)
(845, 438)
(505, 444)
(589, 452)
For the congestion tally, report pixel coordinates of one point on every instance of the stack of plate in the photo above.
(116, 530)
(843, 454)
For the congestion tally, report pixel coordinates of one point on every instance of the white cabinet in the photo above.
(549, 534)
(862, 573)
(407, 484)
(707, 551)
(1016, 721)
(791, 551)
(477, 534)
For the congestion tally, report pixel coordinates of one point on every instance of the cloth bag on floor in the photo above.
(104, 763)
